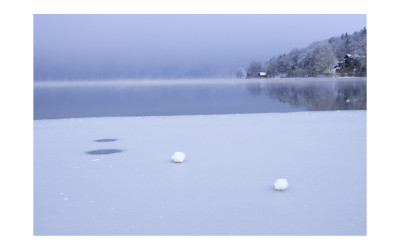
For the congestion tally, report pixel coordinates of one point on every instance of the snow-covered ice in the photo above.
(178, 157)
(225, 188)
(281, 184)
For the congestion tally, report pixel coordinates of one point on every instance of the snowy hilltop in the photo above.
(337, 56)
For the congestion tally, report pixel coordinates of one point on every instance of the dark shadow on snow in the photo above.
(104, 151)
(105, 140)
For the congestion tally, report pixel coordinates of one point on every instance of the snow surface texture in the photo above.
(281, 184)
(178, 157)
(225, 189)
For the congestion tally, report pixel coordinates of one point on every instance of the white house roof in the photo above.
(262, 73)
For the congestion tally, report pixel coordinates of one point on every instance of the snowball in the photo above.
(178, 157)
(281, 184)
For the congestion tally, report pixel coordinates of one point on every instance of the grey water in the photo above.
(201, 98)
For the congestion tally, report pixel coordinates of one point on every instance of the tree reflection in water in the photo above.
(349, 95)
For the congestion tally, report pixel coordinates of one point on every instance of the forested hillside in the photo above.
(342, 56)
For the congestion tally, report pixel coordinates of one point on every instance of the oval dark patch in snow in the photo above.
(104, 151)
(105, 140)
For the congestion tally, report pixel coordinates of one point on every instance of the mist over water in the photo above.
(98, 47)
(197, 97)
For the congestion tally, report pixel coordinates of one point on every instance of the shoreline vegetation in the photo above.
(344, 56)
(341, 56)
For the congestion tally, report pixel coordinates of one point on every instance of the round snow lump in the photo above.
(178, 157)
(281, 184)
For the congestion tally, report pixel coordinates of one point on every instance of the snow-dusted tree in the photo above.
(254, 68)
(293, 58)
(240, 73)
(283, 65)
(305, 62)
(324, 59)
(319, 58)
(271, 67)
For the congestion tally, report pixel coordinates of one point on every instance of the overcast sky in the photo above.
(72, 47)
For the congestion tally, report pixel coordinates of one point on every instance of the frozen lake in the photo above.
(105, 168)
(114, 175)
(194, 97)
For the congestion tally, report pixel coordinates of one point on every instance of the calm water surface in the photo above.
(53, 101)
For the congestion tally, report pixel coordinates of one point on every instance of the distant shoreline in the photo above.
(154, 82)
